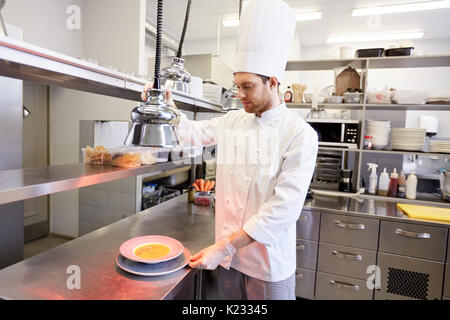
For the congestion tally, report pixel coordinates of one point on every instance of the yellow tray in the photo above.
(424, 212)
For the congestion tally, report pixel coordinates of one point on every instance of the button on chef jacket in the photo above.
(264, 197)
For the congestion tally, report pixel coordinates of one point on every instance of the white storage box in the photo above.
(409, 97)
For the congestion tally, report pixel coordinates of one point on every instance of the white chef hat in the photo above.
(266, 32)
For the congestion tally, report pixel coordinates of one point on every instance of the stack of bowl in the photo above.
(379, 130)
(410, 139)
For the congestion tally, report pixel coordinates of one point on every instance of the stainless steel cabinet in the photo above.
(409, 278)
(308, 225)
(345, 261)
(413, 240)
(333, 287)
(349, 231)
(447, 280)
(304, 283)
(306, 254)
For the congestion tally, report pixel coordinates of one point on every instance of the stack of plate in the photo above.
(152, 256)
(409, 139)
(379, 130)
(440, 146)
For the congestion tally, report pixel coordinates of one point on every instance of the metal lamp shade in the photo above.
(231, 99)
(154, 123)
(175, 76)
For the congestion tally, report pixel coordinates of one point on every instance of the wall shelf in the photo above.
(403, 152)
(24, 61)
(365, 65)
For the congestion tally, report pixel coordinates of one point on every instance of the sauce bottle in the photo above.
(393, 184)
(288, 95)
(383, 183)
(401, 185)
(411, 186)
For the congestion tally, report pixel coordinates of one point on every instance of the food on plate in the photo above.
(152, 251)
(126, 160)
(98, 155)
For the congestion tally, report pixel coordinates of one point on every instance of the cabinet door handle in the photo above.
(299, 275)
(303, 218)
(301, 247)
(349, 256)
(343, 285)
(412, 234)
(358, 226)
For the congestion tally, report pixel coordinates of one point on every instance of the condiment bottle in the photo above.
(288, 95)
(191, 192)
(401, 185)
(411, 186)
(368, 142)
(373, 178)
(383, 184)
(393, 184)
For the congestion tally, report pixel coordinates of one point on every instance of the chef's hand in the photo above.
(210, 257)
(169, 98)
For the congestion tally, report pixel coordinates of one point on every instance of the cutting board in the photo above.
(424, 212)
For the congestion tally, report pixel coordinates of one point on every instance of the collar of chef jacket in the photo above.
(271, 116)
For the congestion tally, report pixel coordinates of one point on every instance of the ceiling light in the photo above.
(407, 7)
(375, 37)
(234, 22)
(230, 22)
(309, 16)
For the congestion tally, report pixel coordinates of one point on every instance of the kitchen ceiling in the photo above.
(336, 19)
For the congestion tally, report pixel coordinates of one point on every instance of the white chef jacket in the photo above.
(263, 197)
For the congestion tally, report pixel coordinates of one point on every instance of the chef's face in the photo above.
(255, 95)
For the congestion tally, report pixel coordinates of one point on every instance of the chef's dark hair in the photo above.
(265, 78)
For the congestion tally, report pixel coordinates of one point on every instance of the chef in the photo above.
(265, 160)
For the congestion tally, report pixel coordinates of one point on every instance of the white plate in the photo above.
(128, 248)
(156, 269)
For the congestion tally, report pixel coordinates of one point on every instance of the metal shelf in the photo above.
(394, 107)
(21, 184)
(404, 152)
(325, 105)
(31, 63)
(425, 61)
(338, 149)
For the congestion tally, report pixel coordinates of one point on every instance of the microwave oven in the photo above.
(337, 132)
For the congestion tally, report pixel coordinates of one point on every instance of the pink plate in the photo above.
(127, 249)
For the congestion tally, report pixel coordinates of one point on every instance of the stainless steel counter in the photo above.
(44, 276)
(364, 207)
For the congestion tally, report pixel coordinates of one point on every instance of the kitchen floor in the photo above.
(37, 246)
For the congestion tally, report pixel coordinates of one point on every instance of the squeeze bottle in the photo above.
(383, 184)
(393, 184)
(411, 186)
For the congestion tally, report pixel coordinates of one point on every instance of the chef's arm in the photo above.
(197, 133)
(281, 211)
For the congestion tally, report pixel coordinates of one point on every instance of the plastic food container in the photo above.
(379, 97)
(151, 155)
(335, 99)
(186, 152)
(203, 198)
(352, 97)
(125, 158)
(98, 155)
(369, 53)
